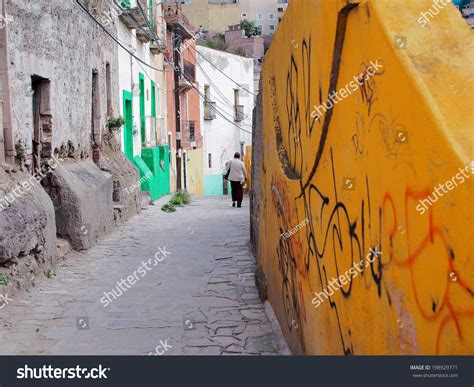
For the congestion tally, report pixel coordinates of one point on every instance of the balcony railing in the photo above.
(159, 46)
(189, 137)
(137, 15)
(189, 71)
(209, 110)
(176, 20)
(238, 113)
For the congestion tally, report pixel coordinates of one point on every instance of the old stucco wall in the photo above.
(56, 40)
(353, 179)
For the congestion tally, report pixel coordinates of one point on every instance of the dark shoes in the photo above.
(233, 204)
(239, 205)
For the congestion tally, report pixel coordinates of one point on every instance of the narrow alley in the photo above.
(199, 299)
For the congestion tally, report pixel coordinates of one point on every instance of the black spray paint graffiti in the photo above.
(333, 237)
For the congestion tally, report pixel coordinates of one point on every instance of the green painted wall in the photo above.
(213, 185)
(142, 107)
(158, 162)
(148, 180)
(153, 99)
(128, 126)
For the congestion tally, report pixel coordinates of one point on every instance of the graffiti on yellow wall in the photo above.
(358, 170)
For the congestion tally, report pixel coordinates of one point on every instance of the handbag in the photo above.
(226, 176)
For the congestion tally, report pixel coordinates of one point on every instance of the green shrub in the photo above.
(176, 201)
(168, 207)
(3, 279)
(184, 196)
(115, 123)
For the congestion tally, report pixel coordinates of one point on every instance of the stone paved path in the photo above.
(199, 300)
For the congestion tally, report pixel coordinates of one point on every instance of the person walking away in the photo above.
(237, 176)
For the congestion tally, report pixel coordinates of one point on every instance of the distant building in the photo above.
(252, 47)
(227, 111)
(266, 14)
(184, 130)
(213, 15)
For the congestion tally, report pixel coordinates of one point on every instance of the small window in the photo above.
(243, 15)
(209, 160)
(272, 27)
(271, 16)
(259, 16)
(260, 26)
(280, 9)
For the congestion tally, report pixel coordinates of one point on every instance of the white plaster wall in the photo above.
(129, 70)
(221, 137)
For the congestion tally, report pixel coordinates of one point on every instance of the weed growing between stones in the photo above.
(178, 200)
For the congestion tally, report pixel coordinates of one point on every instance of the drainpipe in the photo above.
(7, 149)
(176, 46)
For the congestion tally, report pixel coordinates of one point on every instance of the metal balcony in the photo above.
(209, 110)
(189, 138)
(187, 77)
(175, 19)
(189, 71)
(135, 15)
(238, 113)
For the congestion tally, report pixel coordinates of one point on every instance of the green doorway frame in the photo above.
(128, 126)
(141, 82)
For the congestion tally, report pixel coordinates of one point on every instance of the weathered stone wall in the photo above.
(126, 194)
(57, 41)
(82, 197)
(257, 154)
(27, 227)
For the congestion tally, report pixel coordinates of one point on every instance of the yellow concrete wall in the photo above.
(195, 171)
(216, 17)
(247, 159)
(405, 130)
(221, 16)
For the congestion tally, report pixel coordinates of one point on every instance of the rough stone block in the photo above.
(84, 207)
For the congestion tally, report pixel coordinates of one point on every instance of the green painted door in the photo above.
(128, 126)
(142, 108)
(153, 99)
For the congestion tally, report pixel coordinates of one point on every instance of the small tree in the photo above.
(250, 28)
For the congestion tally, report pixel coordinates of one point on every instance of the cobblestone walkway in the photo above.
(199, 299)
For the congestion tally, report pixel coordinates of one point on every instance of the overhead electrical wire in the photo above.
(114, 38)
(215, 109)
(213, 65)
(157, 69)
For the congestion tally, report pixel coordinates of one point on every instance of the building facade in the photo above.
(184, 131)
(227, 111)
(266, 14)
(212, 15)
(142, 91)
